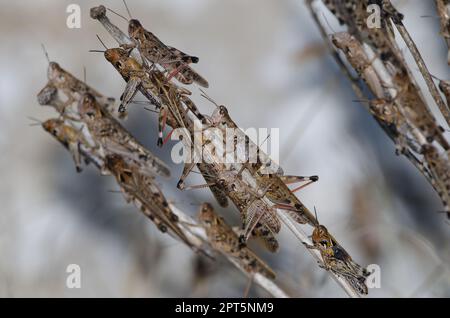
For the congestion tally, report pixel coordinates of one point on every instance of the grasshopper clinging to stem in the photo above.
(152, 49)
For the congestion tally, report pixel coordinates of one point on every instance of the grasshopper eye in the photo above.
(223, 111)
(119, 64)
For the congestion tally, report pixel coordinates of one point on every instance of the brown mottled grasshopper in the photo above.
(62, 81)
(73, 140)
(145, 194)
(410, 104)
(222, 238)
(276, 184)
(417, 112)
(353, 13)
(174, 61)
(221, 119)
(255, 212)
(337, 260)
(114, 139)
(153, 84)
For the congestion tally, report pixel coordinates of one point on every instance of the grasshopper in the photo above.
(113, 138)
(174, 61)
(417, 112)
(277, 191)
(142, 190)
(164, 95)
(258, 218)
(353, 13)
(337, 260)
(71, 138)
(222, 238)
(59, 80)
(409, 103)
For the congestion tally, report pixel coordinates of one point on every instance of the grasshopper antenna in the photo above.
(36, 122)
(329, 25)
(315, 213)
(84, 73)
(128, 10)
(204, 95)
(45, 53)
(98, 37)
(361, 101)
(118, 14)
(149, 109)
(429, 16)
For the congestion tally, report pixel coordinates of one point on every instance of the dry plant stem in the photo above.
(424, 71)
(303, 237)
(247, 177)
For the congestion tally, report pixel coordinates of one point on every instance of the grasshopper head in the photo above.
(55, 73)
(134, 27)
(220, 114)
(321, 237)
(342, 40)
(121, 60)
(207, 214)
(116, 57)
(53, 126)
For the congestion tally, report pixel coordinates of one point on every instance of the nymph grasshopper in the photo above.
(337, 260)
(222, 238)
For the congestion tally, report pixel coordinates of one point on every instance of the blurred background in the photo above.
(266, 62)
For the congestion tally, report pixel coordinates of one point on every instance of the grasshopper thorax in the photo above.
(88, 107)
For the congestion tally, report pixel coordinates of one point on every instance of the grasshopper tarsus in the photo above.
(242, 241)
(122, 109)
